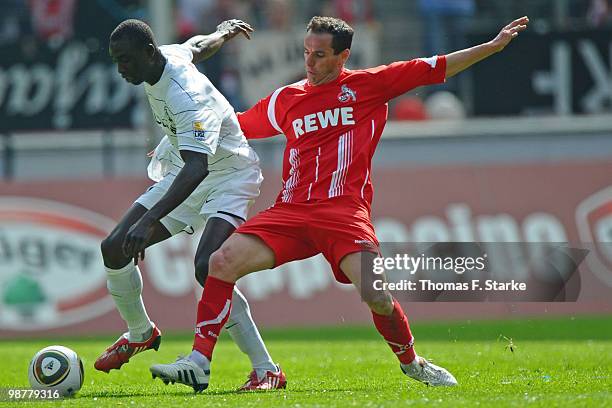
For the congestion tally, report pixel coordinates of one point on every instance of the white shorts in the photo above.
(226, 195)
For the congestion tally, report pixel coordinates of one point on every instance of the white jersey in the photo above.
(195, 117)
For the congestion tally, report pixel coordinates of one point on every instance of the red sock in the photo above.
(213, 311)
(396, 331)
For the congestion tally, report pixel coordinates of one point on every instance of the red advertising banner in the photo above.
(52, 279)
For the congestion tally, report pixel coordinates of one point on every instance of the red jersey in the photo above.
(332, 129)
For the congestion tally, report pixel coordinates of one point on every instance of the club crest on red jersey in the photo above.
(347, 94)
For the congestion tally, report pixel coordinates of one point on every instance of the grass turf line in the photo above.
(560, 362)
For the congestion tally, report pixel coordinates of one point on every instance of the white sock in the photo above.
(125, 286)
(243, 331)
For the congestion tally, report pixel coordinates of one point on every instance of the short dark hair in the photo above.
(342, 33)
(134, 30)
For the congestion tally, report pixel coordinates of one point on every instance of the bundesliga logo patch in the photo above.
(198, 131)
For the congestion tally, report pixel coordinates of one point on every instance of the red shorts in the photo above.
(335, 227)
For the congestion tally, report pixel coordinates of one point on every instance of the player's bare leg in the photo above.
(391, 322)
(240, 325)
(240, 255)
(125, 286)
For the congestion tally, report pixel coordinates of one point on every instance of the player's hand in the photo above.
(231, 28)
(136, 239)
(510, 32)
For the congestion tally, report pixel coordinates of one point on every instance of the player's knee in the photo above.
(219, 265)
(201, 269)
(112, 253)
(106, 246)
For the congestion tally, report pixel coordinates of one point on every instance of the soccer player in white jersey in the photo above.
(206, 174)
(332, 120)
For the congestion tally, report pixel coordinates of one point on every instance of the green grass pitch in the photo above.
(558, 362)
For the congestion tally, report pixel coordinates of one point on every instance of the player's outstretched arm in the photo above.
(463, 59)
(205, 46)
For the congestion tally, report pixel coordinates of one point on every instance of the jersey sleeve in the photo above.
(197, 129)
(180, 51)
(256, 123)
(402, 76)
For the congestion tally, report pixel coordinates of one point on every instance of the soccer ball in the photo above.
(56, 368)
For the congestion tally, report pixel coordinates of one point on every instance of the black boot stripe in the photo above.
(193, 377)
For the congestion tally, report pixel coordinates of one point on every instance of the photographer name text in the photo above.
(429, 285)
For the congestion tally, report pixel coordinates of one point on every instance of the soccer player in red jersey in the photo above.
(333, 121)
